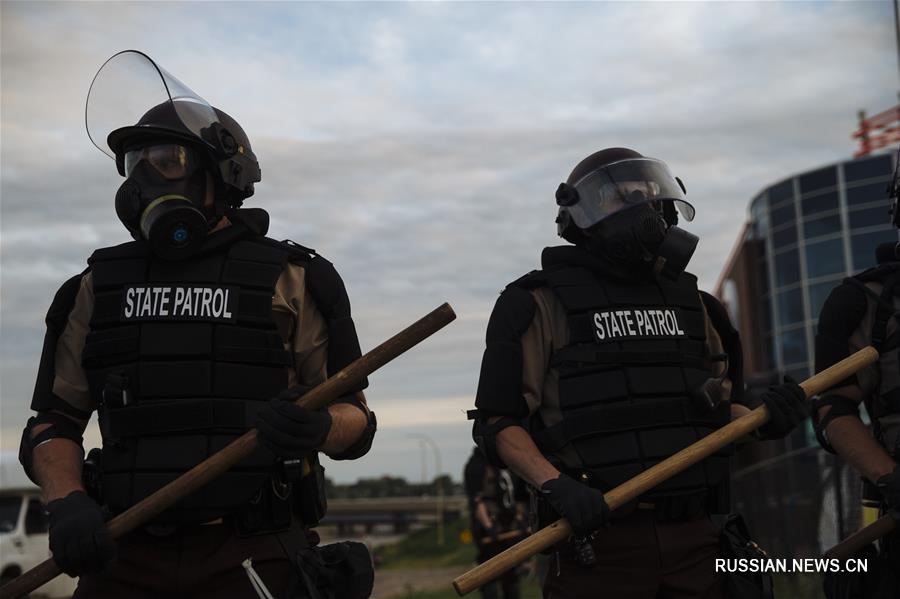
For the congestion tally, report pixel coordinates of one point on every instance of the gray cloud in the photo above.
(418, 146)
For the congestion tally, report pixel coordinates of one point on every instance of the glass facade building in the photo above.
(804, 235)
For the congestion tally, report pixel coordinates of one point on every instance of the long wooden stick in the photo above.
(646, 480)
(204, 472)
(864, 536)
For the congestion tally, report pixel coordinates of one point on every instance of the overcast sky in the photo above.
(418, 147)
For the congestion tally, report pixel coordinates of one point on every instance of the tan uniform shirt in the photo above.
(300, 323)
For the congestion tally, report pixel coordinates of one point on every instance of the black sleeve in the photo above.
(328, 291)
(43, 399)
(500, 383)
(840, 316)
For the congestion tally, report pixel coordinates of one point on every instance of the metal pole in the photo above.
(438, 483)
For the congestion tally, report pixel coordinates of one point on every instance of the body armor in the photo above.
(631, 381)
(179, 356)
(880, 285)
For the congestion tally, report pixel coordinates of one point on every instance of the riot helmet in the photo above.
(624, 206)
(170, 144)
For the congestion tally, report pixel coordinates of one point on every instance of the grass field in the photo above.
(419, 549)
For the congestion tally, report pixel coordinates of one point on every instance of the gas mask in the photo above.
(162, 199)
(639, 240)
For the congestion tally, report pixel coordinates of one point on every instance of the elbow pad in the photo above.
(485, 434)
(839, 406)
(364, 443)
(60, 427)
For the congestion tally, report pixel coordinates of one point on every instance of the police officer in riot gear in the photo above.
(864, 310)
(180, 340)
(497, 506)
(607, 361)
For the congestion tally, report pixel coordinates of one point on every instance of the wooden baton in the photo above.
(646, 480)
(207, 470)
(864, 536)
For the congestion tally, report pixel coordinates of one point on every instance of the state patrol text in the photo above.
(178, 302)
(636, 323)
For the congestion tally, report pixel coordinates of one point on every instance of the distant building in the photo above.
(803, 236)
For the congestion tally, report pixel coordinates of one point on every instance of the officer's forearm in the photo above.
(852, 440)
(348, 423)
(517, 449)
(482, 515)
(57, 466)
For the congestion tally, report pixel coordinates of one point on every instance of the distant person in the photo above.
(865, 310)
(614, 361)
(499, 517)
(182, 340)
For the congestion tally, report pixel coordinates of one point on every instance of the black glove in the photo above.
(889, 485)
(584, 507)
(787, 408)
(79, 540)
(289, 431)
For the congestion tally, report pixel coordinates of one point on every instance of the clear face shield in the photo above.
(131, 83)
(621, 185)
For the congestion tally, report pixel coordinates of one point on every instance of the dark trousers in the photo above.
(639, 557)
(194, 563)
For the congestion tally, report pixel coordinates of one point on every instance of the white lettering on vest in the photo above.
(177, 302)
(635, 324)
(129, 302)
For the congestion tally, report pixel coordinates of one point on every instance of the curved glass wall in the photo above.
(816, 227)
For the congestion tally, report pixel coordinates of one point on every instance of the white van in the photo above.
(23, 540)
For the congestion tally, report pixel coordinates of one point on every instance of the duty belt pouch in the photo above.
(735, 543)
(269, 511)
(338, 571)
(310, 503)
(92, 474)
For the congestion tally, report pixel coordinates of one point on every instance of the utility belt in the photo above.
(294, 492)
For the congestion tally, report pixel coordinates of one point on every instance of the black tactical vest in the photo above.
(884, 408)
(628, 379)
(179, 356)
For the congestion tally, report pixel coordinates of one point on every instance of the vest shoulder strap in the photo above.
(130, 249)
(296, 253)
(532, 280)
